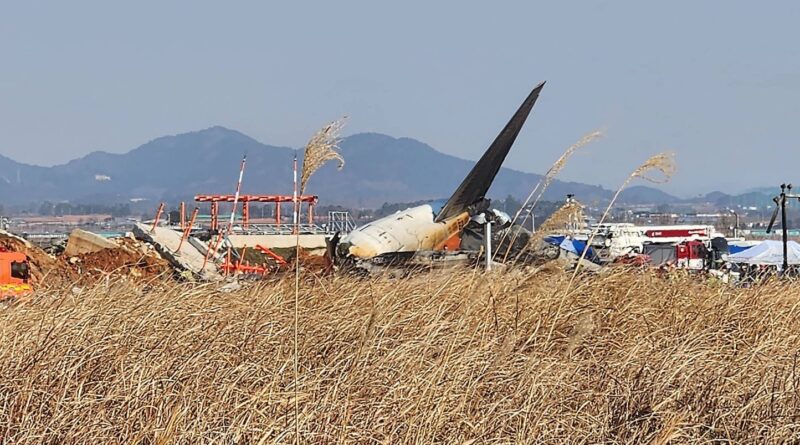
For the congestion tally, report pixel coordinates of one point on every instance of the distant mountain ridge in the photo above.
(378, 169)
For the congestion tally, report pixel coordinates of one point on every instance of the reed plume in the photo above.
(662, 162)
(321, 148)
(566, 220)
(556, 168)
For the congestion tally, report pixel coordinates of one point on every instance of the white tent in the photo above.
(768, 252)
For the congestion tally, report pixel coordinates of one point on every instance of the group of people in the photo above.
(750, 274)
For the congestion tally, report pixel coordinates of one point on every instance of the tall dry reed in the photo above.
(321, 148)
(544, 183)
(662, 163)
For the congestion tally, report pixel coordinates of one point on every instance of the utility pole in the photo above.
(781, 203)
(785, 229)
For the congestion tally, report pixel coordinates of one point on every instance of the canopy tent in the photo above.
(736, 248)
(769, 252)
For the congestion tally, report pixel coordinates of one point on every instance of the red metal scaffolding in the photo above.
(311, 200)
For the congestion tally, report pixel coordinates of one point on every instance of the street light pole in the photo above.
(488, 235)
(736, 226)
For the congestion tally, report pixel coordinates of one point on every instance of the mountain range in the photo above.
(378, 169)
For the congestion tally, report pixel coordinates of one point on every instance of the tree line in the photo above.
(118, 210)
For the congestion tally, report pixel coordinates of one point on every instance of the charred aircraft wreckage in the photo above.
(432, 234)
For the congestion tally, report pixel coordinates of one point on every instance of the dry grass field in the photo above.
(626, 357)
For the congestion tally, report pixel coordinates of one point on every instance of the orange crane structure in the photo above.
(311, 200)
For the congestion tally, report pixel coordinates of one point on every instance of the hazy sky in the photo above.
(717, 82)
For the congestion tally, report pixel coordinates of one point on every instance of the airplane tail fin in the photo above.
(478, 181)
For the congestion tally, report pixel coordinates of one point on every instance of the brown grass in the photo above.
(445, 358)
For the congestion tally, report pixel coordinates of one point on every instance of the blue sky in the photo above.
(716, 82)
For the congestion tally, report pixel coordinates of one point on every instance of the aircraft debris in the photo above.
(191, 255)
(398, 238)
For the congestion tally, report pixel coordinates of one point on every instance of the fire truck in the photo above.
(14, 274)
(621, 239)
(692, 255)
(693, 247)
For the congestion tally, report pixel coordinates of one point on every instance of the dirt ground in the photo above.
(118, 261)
(308, 261)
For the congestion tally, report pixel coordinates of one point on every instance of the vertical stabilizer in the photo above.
(478, 181)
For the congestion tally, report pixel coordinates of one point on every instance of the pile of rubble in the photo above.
(144, 253)
(87, 257)
(124, 256)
